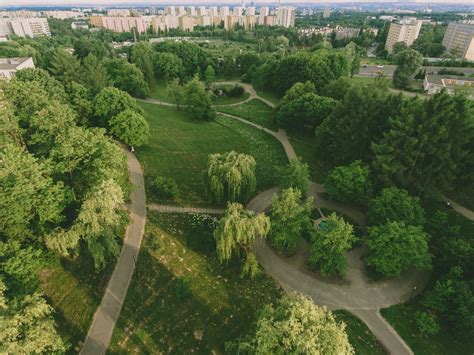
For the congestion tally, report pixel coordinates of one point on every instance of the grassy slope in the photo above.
(220, 305)
(74, 290)
(179, 148)
(255, 111)
(360, 336)
(402, 318)
(269, 95)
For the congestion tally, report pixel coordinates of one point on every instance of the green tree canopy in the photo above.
(394, 246)
(65, 67)
(27, 326)
(296, 175)
(291, 218)
(127, 77)
(349, 183)
(395, 205)
(329, 244)
(209, 75)
(302, 108)
(96, 224)
(197, 101)
(112, 101)
(230, 176)
(80, 99)
(236, 232)
(29, 198)
(130, 127)
(141, 55)
(295, 325)
(93, 74)
(167, 66)
(408, 64)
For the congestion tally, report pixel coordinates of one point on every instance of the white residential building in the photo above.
(224, 11)
(9, 66)
(170, 10)
(191, 11)
(24, 27)
(180, 11)
(201, 11)
(459, 38)
(213, 11)
(250, 11)
(405, 30)
(118, 12)
(238, 11)
(286, 16)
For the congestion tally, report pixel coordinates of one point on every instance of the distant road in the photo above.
(373, 70)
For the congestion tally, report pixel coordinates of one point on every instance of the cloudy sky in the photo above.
(128, 2)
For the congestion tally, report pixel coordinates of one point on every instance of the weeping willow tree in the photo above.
(236, 231)
(230, 176)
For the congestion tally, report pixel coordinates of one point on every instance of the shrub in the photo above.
(426, 323)
(349, 183)
(163, 188)
(200, 236)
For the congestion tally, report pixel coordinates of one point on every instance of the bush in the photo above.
(182, 288)
(163, 188)
(200, 236)
(349, 183)
(426, 323)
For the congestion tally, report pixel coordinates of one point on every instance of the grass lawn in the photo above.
(402, 318)
(183, 301)
(269, 95)
(304, 146)
(223, 100)
(464, 195)
(454, 218)
(74, 289)
(179, 147)
(360, 336)
(255, 111)
(160, 92)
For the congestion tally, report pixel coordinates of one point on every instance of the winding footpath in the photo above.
(356, 294)
(103, 324)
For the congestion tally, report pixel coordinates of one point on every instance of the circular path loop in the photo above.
(356, 293)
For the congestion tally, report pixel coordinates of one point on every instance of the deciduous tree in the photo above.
(329, 244)
(290, 218)
(130, 127)
(296, 175)
(236, 232)
(394, 246)
(295, 325)
(230, 176)
(197, 101)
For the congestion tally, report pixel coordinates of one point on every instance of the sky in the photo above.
(222, 2)
(192, 2)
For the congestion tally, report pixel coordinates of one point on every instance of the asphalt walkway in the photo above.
(103, 324)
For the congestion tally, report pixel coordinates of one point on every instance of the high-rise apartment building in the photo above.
(24, 27)
(405, 30)
(250, 11)
(230, 22)
(170, 10)
(191, 11)
(224, 11)
(213, 11)
(459, 39)
(201, 11)
(119, 23)
(238, 11)
(286, 16)
(186, 23)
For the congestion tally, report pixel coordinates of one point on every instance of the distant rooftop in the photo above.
(448, 80)
(11, 63)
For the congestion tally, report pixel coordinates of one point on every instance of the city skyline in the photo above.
(17, 3)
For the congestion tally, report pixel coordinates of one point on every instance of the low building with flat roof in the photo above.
(9, 66)
(434, 84)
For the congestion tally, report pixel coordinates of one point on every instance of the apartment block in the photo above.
(24, 27)
(118, 12)
(119, 23)
(224, 11)
(229, 22)
(459, 39)
(186, 23)
(249, 22)
(286, 16)
(405, 30)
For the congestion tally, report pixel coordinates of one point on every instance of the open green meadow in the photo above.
(179, 147)
(255, 111)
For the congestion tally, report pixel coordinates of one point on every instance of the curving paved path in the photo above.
(103, 324)
(356, 293)
(179, 209)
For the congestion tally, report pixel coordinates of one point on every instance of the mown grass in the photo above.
(179, 148)
(269, 95)
(402, 319)
(255, 111)
(160, 92)
(304, 144)
(362, 339)
(182, 301)
(224, 100)
(74, 289)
